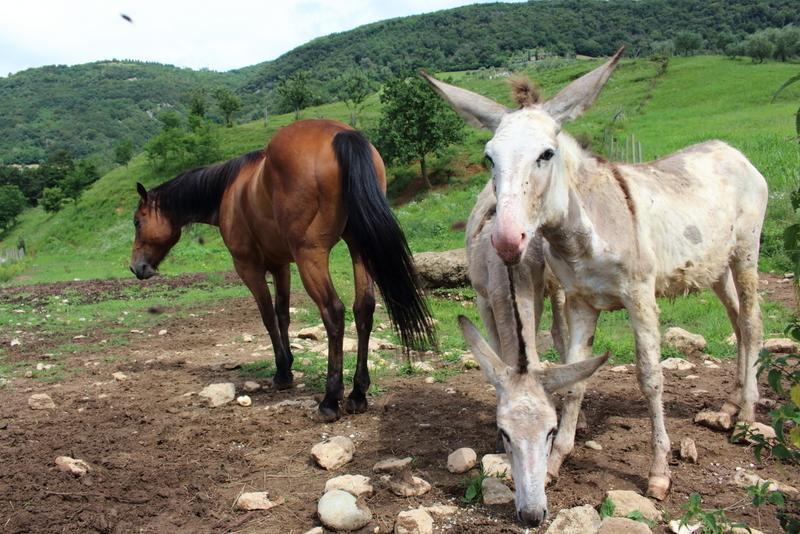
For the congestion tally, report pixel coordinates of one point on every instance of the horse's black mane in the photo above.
(194, 195)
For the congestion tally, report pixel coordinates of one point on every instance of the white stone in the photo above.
(120, 376)
(316, 530)
(744, 479)
(442, 510)
(219, 394)
(424, 367)
(406, 485)
(496, 465)
(429, 380)
(677, 364)
(349, 344)
(686, 342)
(244, 400)
(780, 345)
(72, 465)
(626, 501)
(40, 401)
(14, 342)
(688, 450)
(461, 460)
(162, 332)
(578, 520)
(620, 525)
(495, 492)
(357, 485)
(755, 428)
(333, 453)
(416, 521)
(676, 528)
(247, 338)
(314, 333)
(393, 465)
(619, 369)
(710, 365)
(714, 420)
(256, 500)
(251, 386)
(44, 366)
(338, 510)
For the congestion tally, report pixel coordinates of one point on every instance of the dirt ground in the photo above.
(162, 461)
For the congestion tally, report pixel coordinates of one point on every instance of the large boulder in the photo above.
(442, 269)
(686, 342)
(338, 510)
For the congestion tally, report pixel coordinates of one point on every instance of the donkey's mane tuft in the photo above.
(524, 91)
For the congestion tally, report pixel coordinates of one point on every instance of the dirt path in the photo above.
(162, 461)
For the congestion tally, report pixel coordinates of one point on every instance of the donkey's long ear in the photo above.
(496, 371)
(142, 191)
(477, 110)
(576, 98)
(561, 376)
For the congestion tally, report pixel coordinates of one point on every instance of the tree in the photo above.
(759, 48)
(197, 103)
(228, 104)
(686, 43)
(294, 92)
(82, 176)
(51, 199)
(353, 88)
(123, 152)
(12, 202)
(415, 122)
(786, 42)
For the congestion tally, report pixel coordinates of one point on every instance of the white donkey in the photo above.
(616, 235)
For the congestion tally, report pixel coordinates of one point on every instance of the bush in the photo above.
(12, 202)
(52, 199)
(759, 48)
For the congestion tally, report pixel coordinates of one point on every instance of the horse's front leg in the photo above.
(582, 322)
(643, 311)
(253, 277)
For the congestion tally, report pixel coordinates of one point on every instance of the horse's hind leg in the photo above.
(313, 266)
(363, 310)
(745, 276)
(254, 278)
(282, 277)
(726, 291)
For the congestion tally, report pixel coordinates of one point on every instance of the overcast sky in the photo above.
(219, 35)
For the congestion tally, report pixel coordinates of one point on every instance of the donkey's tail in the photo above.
(383, 246)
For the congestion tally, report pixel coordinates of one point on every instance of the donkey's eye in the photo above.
(505, 435)
(488, 162)
(547, 155)
(552, 433)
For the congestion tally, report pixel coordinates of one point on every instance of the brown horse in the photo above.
(318, 181)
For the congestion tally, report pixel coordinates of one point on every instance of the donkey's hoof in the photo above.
(730, 408)
(281, 382)
(356, 404)
(747, 414)
(658, 487)
(550, 479)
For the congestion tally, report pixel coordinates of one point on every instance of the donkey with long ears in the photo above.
(318, 181)
(617, 235)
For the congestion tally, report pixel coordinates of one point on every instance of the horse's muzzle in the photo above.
(143, 271)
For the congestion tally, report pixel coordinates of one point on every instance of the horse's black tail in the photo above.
(381, 241)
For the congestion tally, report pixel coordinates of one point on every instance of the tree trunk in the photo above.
(296, 113)
(424, 169)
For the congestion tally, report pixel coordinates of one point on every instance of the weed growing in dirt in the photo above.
(473, 487)
(712, 520)
(760, 495)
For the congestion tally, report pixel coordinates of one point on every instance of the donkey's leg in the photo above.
(643, 311)
(363, 310)
(254, 278)
(745, 276)
(559, 329)
(313, 266)
(726, 291)
(582, 320)
(282, 276)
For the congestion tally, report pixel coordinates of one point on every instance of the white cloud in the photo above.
(215, 35)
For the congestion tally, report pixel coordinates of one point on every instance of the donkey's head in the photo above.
(156, 234)
(526, 151)
(526, 417)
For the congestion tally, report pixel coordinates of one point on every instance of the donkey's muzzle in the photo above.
(533, 517)
(142, 270)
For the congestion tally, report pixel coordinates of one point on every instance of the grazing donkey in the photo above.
(616, 235)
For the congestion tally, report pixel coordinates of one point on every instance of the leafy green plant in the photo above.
(760, 494)
(712, 520)
(473, 487)
(607, 508)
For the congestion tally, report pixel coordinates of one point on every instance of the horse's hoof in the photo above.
(658, 487)
(282, 382)
(355, 404)
(326, 413)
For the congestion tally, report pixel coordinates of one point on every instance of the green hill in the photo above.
(697, 98)
(87, 108)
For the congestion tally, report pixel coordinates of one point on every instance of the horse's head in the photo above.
(156, 234)
(526, 417)
(528, 155)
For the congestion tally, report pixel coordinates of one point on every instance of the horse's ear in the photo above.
(477, 110)
(562, 376)
(496, 371)
(142, 191)
(576, 98)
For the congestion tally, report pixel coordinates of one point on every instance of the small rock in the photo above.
(686, 342)
(756, 428)
(442, 510)
(219, 394)
(677, 364)
(626, 501)
(356, 485)
(41, 401)
(244, 400)
(430, 380)
(14, 342)
(593, 445)
(767, 404)
(618, 525)
(72, 465)
(619, 369)
(256, 500)
(120, 376)
(247, 338)
(450, 391)
(44, 366)
(349, 344)
(676, 528)
(316, 530)
(495, 492)
(162, 332)
(314, 333)
(338, 510)
(416, 521)
(251, 386)
(333, 453)
(744, 479)
(406, 486)
(496, 465)
(578, 520)
(714, 420)
(710, 365)
(296, 346)
(461, 460)
(469, 361)
(424, 367)
(691, 377)
(393, 465)
(688, 450)
(780, 346)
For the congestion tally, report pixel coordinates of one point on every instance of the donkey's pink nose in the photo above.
(509, 246)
